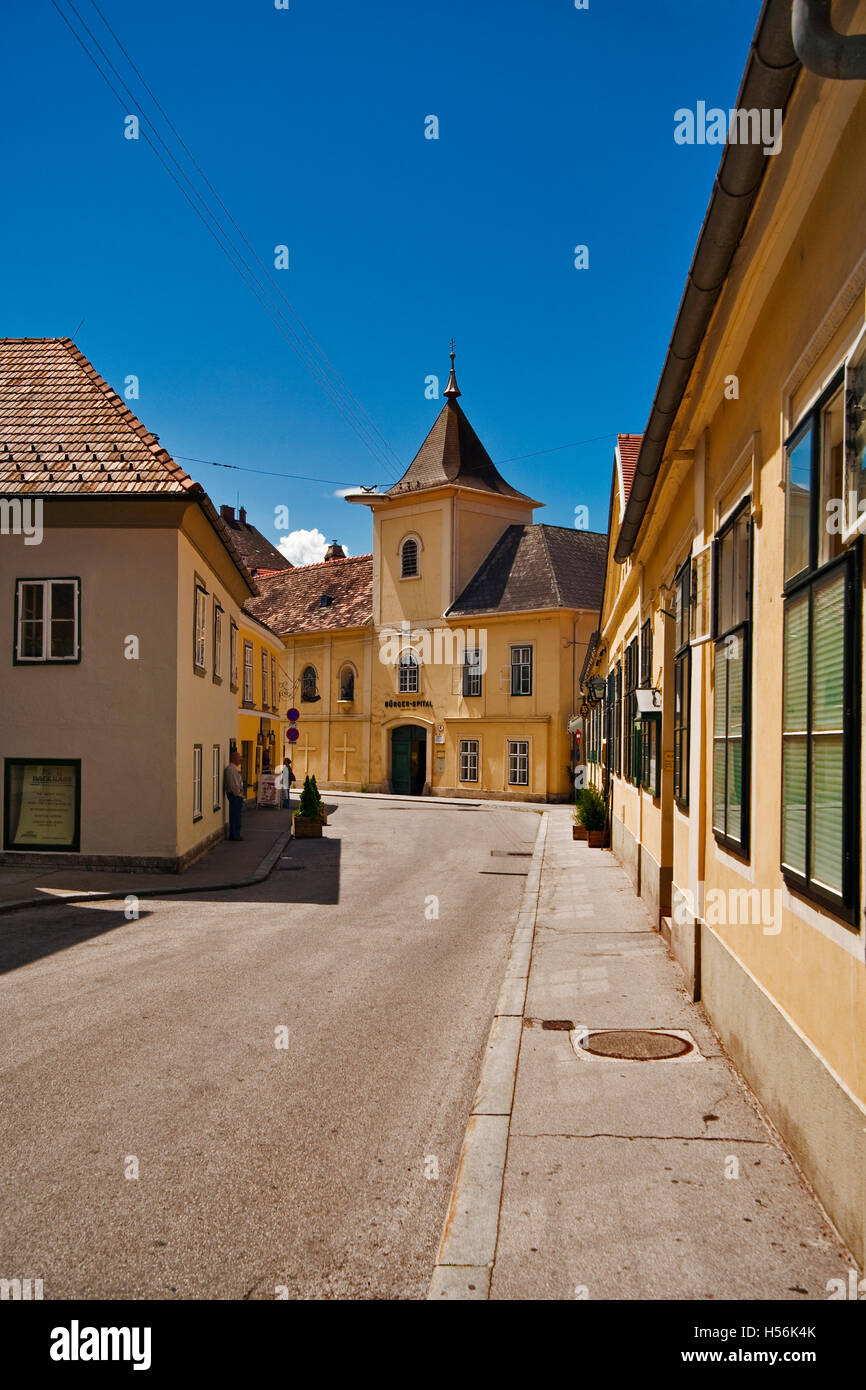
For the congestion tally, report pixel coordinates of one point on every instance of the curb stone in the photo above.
(468, 1245)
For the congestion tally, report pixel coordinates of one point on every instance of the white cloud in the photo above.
(304, 547)
(347, 491)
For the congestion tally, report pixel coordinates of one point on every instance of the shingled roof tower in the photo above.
(452, 501)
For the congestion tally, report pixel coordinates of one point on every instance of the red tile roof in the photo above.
(629, 448)
(291, 601)
(64, 430)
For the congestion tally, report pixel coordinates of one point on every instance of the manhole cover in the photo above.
(635, 1045)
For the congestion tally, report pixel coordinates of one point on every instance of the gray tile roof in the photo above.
(537, 567)
(452, 453)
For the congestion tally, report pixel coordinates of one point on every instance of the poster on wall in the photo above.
(42, 804)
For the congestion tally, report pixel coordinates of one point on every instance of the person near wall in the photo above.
(288, 778)
(233, 784)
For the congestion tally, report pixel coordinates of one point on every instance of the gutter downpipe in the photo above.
(821, 48)
(771, 71)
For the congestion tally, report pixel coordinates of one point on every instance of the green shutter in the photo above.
(828, 733)
(795, 743)
(720, 710)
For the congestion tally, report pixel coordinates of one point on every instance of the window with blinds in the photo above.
(821, 663)
(682, 682)
(732, 672)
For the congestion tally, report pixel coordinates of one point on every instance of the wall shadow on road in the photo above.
(307, 872)
(23, 941)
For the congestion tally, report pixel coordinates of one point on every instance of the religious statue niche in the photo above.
(347, 684)
(308, 685)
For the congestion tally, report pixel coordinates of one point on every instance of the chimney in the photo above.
(242, 515)
(227, 513)
(335, 551)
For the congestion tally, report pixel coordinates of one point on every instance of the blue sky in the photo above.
(555, 129)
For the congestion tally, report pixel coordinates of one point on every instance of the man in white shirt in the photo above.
(233, 784)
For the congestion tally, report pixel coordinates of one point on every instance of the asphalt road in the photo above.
(151, 1045)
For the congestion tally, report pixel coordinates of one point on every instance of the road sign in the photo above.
(293, 716)
(293, 735)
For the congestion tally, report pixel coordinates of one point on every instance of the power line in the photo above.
(353, 418)
(339, 482)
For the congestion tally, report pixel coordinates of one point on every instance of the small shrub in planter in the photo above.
(322, 813)
(579, 830)
(593, 813)
(306, 822)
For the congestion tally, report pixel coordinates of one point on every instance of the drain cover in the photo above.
(635, 1045)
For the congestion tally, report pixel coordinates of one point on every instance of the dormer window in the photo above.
(409, 558)
(325, 601)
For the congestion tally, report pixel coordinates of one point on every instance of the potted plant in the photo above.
(322, 813)
(593, 813)
(579, 830)
(306, 822)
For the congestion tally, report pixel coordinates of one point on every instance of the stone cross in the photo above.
(346, 749)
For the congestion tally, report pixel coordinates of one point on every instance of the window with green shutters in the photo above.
(682, 683)
(631, 729)
(820, 682)
(732, 553)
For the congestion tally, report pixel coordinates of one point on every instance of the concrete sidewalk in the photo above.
(594, 1177)
(229, 864)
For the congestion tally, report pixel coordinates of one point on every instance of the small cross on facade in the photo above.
(345, 750)
(306, 748)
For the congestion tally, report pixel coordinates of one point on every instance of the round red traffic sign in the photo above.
(293, 716)
(293, 735)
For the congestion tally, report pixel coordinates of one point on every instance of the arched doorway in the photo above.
(408, 759)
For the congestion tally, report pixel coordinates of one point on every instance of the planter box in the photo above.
(306, 828)
(596, 839)
(579, 832)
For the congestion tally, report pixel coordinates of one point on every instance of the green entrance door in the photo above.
(408, 759)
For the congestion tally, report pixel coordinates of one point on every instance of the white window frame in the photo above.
(216, 767)
(264, 678)
(521, 665)
(408, 662)
(196, 781)
(511, 745)
(199, 649)
(249, 678)
(233, 653)
(218, 611)
(418, 548)
(273, 682)
(470, 748)
(46, 659)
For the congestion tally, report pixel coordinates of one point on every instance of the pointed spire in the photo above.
(452, 390)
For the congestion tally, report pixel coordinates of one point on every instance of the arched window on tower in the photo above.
(408, 673)
(409, 558)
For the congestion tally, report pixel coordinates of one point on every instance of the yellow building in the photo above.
(260, 680)
(726, 684)
(446, 662)
(120, 588)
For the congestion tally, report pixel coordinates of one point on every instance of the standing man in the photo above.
(287, 780)
(233, 785)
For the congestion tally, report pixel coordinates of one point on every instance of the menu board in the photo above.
(47, 799)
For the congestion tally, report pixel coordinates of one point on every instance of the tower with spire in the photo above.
(453, 502)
